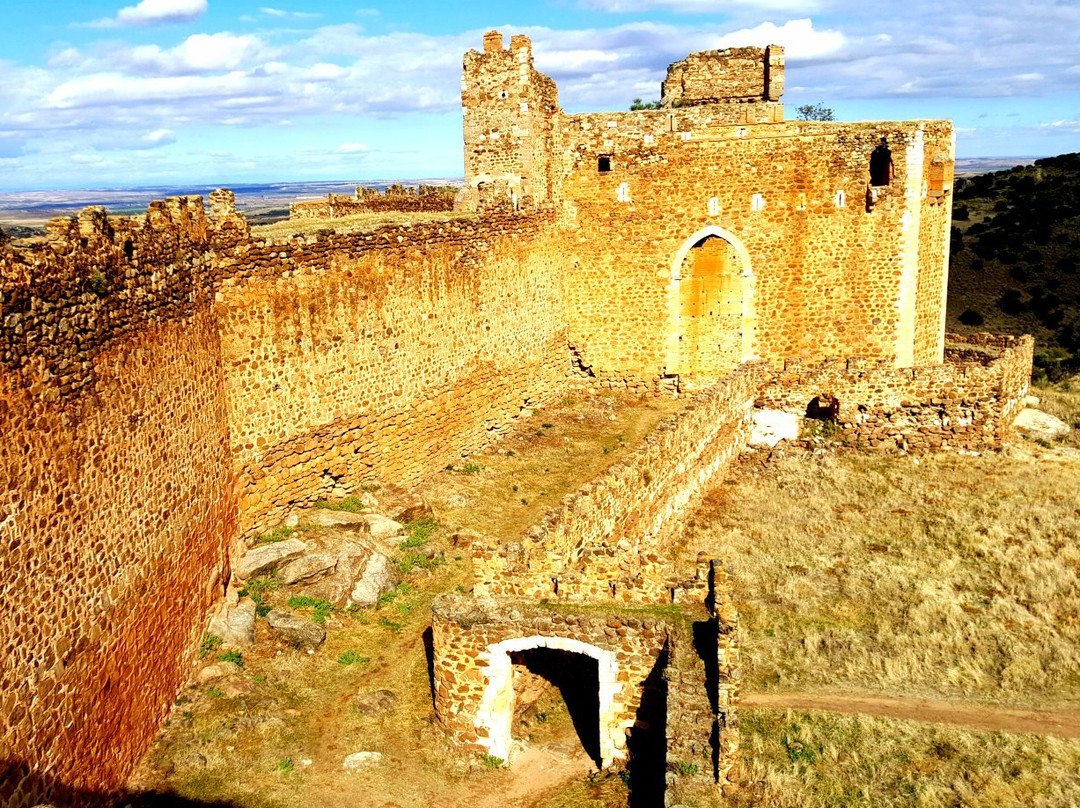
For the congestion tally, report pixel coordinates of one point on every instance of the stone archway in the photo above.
(495, 715)
(712, 321)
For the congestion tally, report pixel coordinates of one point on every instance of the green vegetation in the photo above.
(683, 768)
(256, 589)
(234, 657)
(284, 766)
(349, 658)
(322, 607)
(349, 504)
(1016, 256)
(822, 760)
(419, 532)
(491, 761)
(814, 112)
(210, 643)
(638, 104)
(276, 535)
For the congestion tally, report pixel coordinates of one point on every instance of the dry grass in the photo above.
(953, 577)
(275, 734)
(1062, 400)
(358, 223)
(819, 760)
(505, 490)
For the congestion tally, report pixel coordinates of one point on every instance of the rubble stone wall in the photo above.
(607, 542)
(168, 382)
(394, 199)
(969, 402)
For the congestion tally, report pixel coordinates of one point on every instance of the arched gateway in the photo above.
(712, 321)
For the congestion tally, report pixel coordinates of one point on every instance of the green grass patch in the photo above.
(234, 657)
(322, 607)
(350, 504)
(210, 643)
(419, 532)
(257, 589)
(349, 658)
(276, 535)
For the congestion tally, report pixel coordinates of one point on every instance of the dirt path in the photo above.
(537, 773)
(1063, 723)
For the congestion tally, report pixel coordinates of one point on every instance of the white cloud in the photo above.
(701, 6)
(352, 148)
(799, 38)
(154, 12)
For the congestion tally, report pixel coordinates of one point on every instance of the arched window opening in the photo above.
(881, 165)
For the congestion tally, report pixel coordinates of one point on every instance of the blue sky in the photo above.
(97, 93)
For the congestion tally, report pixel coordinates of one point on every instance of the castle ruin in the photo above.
(171, 384)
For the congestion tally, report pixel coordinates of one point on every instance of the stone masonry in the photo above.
(170, 384)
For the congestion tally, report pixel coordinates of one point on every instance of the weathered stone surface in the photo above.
(1039, 425)
(323, 517)
(361, 760)
(773, 426)
(383, 528)
(376, 702)
(216, 672)
(377, 576)
(306, 567)
(297, 630)
(235, 623)
(266, 557)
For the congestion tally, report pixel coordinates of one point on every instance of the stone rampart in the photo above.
(168, 382)
(394, 199)
(607, 542)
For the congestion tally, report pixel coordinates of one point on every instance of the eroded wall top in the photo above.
(724, 76)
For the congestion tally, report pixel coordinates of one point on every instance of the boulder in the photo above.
(1039, 425)
(297, 630)
(772, 426)
(361, 760)
(411, 509)
(376, 702)
(376, 577)
(383, 528)
(235, 623)
(306, 567)
(266, 557)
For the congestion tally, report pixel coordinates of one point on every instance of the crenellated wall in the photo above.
(168, 384)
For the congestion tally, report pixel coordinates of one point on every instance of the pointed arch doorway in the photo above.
(711, 317)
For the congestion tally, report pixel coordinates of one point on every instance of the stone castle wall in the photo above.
(168, 384)
(607, 542)
(362, 357)
(395, 199)
(116, 506)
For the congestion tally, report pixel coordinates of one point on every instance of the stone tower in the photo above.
(510, 112)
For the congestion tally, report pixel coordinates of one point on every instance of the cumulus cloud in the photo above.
(702, 6)
(154, 12)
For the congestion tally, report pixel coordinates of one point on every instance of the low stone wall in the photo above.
(606, 542)
(969, 402)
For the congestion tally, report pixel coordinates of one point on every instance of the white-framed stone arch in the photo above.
(495, 715)
(748, 325)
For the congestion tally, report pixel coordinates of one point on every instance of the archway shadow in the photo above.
(647, 739)
(577, 678)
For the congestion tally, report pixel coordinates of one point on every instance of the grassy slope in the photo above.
(1016, 256)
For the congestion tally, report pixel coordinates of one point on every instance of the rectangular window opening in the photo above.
(603, 163)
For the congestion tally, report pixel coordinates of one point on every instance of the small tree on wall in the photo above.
(637, 104)
(814, 112)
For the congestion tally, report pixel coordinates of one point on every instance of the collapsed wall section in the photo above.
(116, 505)
(970, 402)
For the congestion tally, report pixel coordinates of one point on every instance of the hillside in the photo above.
(1015, 254)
